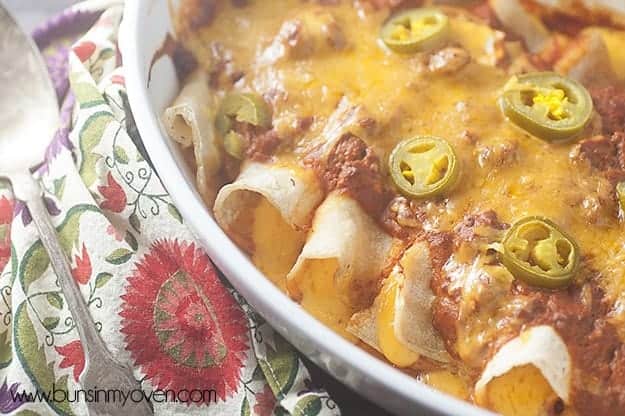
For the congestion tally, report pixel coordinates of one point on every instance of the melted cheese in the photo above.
(392, 348)
(447, 382)
(538, 179)
(276, 243)
(483, 43)
(318, 295)
(523, 391)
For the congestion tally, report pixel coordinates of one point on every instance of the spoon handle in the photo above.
(30, 192)
(102, 370)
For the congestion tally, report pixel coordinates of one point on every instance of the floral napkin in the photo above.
(154, 295)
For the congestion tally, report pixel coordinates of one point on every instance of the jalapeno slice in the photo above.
(415, 30)
(424, 166)
(538, 252)
(547, 105)
(245, 108)
(234, 145)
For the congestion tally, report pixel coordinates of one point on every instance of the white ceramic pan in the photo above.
(146, 24)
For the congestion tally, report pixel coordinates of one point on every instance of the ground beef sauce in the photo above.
(605, 153)
(467, 230)
(447, 301)
(403, 218)
(352, 167)
(580, 315)
(610, 104)
(263, 146)
(261, 143)
(393, 4)
(445, 309)
(195, 14)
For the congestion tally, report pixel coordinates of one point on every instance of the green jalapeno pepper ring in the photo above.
(424, 166)
(536, 251)
(244, 108)
(234, 145)
(415, 30)
(547, 105)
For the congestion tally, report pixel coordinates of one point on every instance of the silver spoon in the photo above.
(29, 116)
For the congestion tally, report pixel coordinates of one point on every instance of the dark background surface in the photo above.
(351, 404)
(32, 12)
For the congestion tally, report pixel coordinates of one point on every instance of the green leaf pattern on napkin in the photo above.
(36, 365)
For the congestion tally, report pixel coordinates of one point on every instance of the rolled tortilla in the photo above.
(522, 23)
(540, 346)
(341, 264)
(295, 192)
(586, 9)
(190, 122)
(267, 211)
(413, 314)
(413, 322)
(588, 61)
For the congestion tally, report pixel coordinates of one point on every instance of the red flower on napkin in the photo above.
(82, 271)
(265, 402)
(182, 326)
(84, 50)
(114, 196)
(73, 356)
(118, 79)
(6, 216)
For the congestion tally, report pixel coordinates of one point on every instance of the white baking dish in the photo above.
(146, 24)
